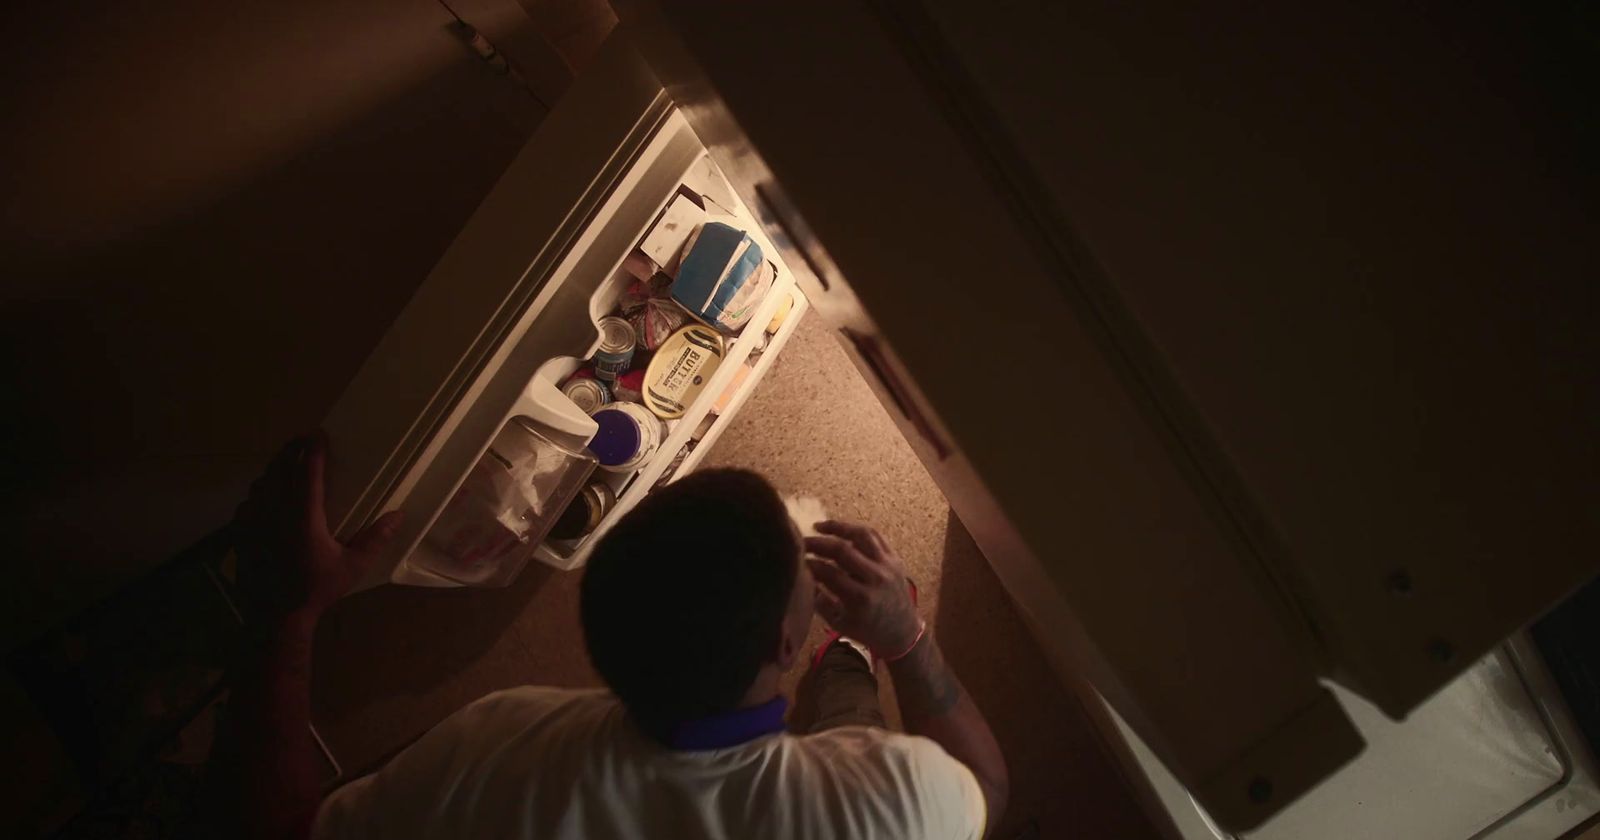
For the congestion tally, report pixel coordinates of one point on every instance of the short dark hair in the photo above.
(683, 599)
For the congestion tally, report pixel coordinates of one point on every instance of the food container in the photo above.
(725, 399)
(681, 369)
(723, 278)
(629, 387)
(663, 244)
(615, 353)
(759, 345)
(638, 266)
(677, 461)
(704, 428)
(781, 315)
(655, 321)
(504, 507)
(584, 514)
(641, 292)
(587, 394)
(628, 436)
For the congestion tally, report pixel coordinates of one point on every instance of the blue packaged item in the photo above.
(723, 276)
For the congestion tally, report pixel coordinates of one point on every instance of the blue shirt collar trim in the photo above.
(730, 729)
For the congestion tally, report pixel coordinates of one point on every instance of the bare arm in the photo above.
(934, 704)
(276, 769)
(291, 569)
(862, 592)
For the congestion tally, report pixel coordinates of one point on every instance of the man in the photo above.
(693, 606)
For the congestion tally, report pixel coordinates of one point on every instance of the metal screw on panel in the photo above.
(1400, 584)
(1441, 651)
(1260, 789)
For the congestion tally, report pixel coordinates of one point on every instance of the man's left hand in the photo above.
(290, 566)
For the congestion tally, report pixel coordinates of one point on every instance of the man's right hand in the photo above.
(861, 587)
(862, 592)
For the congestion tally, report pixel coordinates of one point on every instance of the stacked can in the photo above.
(588, 394)
(615, 354)
(584, 514)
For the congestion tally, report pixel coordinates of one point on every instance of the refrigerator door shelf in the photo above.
(753, 380)
(512, 497)
(543, 401)
(631, 489)
(704, 180)
(558, 417)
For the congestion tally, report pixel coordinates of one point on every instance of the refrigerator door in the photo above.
(1226, 417)
(515, 290)
(512, 309)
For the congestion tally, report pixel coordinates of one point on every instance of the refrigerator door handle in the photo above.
(795, 232)
(872, 354)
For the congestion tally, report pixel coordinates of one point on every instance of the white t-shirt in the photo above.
(556, 763)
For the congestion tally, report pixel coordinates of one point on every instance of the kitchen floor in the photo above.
(814, 428)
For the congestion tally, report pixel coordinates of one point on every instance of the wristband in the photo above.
(922, 629)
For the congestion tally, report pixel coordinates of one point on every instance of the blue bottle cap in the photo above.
(618, 439)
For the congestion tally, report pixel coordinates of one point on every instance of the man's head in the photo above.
(696, 596)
